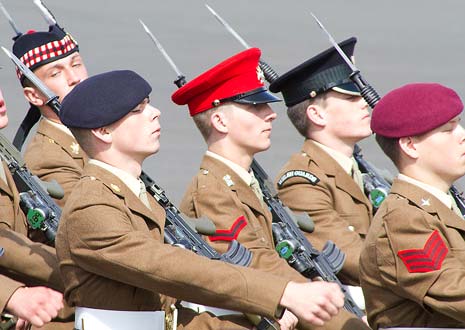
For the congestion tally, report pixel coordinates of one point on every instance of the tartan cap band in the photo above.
(48, 52)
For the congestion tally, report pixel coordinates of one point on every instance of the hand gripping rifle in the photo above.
(291, 244)
(237, 254)
(40, 209)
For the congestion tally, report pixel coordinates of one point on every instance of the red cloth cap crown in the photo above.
(415, 109)
(236, 75)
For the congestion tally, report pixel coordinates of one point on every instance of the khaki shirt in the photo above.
(412, 267)
(112, 256)
(54, 154)
(313, 182)
(220, 194)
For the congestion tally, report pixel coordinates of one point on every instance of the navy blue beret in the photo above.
(103, 99)
(35, 49)
(323, 72)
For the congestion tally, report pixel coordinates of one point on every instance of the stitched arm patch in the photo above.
(231, 233)
(313, 179)
(429, 258)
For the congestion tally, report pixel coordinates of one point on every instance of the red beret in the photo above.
(415, 109)
(238, 79)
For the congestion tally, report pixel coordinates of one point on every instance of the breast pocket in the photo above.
(7, 215)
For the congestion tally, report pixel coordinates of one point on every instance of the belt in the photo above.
(201, 308)
(101, 319)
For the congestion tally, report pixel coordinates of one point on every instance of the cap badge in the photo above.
(260, 75)
(228, 180)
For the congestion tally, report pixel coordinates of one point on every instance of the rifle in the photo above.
(7, 321)
(35, 195)
(236, 253)
(292, 245)
(179, 231)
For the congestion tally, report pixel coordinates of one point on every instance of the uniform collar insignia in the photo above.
(115, 187)
(74, 148)
(425, 202)
(228, 180)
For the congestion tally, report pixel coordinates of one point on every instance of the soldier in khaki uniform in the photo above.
(110, 240)
(52, 153)
(229, 106)
(22, 259)
(412, 265)
(321, 179)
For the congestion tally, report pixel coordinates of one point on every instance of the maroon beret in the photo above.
(414, 109)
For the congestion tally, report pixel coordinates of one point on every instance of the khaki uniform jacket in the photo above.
(53, 154)
(24, 260)
(426, 287)
(7, 289)
(112, 256)
(340, 210)
(218, 193)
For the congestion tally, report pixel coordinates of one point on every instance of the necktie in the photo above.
(454, 206)
(143, 195)
(356, 174)
(255, 185)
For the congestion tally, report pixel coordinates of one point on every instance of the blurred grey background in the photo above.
(398, 42)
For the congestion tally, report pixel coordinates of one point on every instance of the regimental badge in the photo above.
(260, 75)
(228, 180)
(427, 259)
(425, 202)
(115, 187)
(74, 148)
(313, 179)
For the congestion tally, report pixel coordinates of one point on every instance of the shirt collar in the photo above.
(128, 179)
(345, 162)
(445, 198)
(59, 126)
(239, 170)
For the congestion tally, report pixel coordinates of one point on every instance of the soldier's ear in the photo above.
(219, 121)
(408, 146)
(34, 97)
(316, 115)
(102, 134)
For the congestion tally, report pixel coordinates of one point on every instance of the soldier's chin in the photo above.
(3, 120)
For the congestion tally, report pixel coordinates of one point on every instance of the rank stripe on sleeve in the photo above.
(231, 233)
(429, 258)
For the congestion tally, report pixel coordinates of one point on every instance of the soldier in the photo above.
(412, 264)
(54, 57)
(110, 240)
(322, 179)
(229, 105)
(21, 259)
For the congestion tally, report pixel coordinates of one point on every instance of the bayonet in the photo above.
(10, 19)
(180, 79)
(270, 74)
(367, 92)
(46, 13)
(52, 99)
(228, 27)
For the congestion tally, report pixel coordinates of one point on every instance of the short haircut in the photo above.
(84, 137)
(203, 120)
(297, 114)
(390, 147)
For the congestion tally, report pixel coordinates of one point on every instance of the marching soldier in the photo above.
(54, 57)
(412, 265)
(21, 259)
(229, 105)
(322, 179)
(110, 240)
